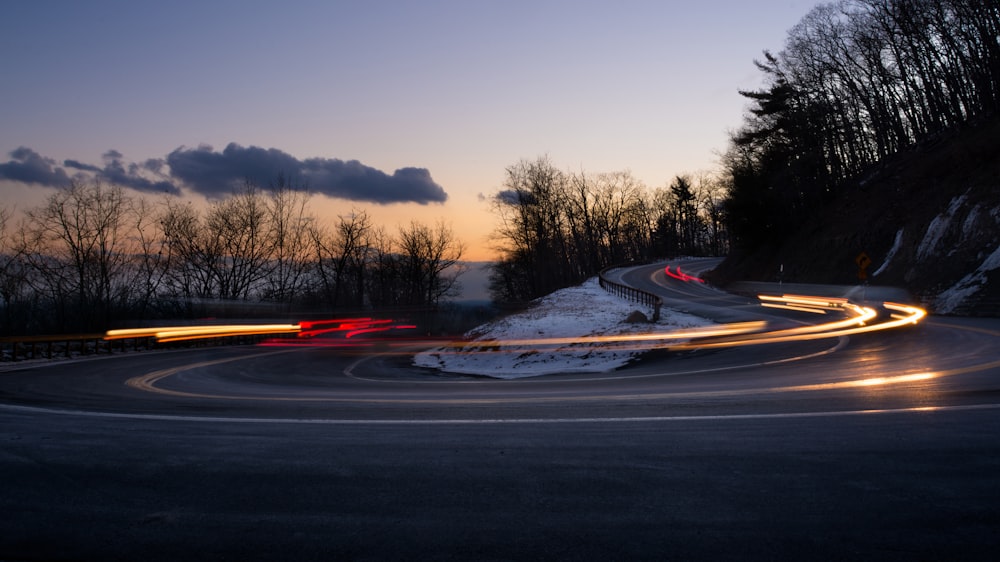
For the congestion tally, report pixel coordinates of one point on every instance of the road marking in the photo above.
(502, 421)
(148, 381)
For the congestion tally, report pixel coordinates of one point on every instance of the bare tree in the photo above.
(711, 193)
(289, 227)
(532, 229)
(194, 255)
(559, 228)
(239, 225)
(342, 259)
(12, 275)
(620, 213)
(150, 258)
(77, 244)
(429, 263)
(384, 270)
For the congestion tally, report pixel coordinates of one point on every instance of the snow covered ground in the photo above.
(892, 253)
(953, 297)
(575, 312)
(956, 296)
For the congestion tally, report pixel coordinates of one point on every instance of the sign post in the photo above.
(863, 262)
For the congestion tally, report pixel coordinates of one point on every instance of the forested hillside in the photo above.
(928, 218)
(876, 133)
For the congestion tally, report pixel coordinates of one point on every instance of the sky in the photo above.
(408, 110)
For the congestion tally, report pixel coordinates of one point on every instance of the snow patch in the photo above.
(584, 310)
(953, 297)
(969, 226)
(937, 228)
(892, 253)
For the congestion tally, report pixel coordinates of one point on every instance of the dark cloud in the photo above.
(117, 172)
(215, 173)
(80, 166)
(515, 197)
(155, 165)
(128, 175)
(28, 166)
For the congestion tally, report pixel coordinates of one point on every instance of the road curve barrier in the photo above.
(630, 293)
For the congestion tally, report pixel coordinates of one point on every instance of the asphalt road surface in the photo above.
(875, 446)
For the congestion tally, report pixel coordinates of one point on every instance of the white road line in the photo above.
(499, 421)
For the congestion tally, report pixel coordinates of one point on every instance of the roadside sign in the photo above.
(863, 262)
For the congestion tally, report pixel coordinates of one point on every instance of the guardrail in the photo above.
(20, 348)
(630, 293)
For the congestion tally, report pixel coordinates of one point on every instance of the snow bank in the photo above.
(892, 253)
(937, 228)
(950, 299)
(584, 310)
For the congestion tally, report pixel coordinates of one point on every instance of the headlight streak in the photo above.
(350, 327)
(861, 383)
(181, 333)
(792, 307)
(700, 332)
(860, 319)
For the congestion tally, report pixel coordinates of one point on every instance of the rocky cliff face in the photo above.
(928, 221)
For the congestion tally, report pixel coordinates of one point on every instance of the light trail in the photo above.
(861, 319)
(349, 327)
(182, 333)
(681, 276)
(860, 383)
(699, 332)
(858, 319)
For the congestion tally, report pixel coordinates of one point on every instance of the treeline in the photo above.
(557, 228)
(858, 81)
(93, 257)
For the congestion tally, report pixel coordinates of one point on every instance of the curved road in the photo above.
(876, 445)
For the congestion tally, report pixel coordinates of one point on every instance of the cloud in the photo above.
(154, 165)
(80, 166)
(28, 166)
(215, 173)
(128, 175)
(117, 172)
(515, 197)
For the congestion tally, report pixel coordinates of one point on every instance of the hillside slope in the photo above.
(928, 219)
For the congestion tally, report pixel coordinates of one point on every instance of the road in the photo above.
(881, 445)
